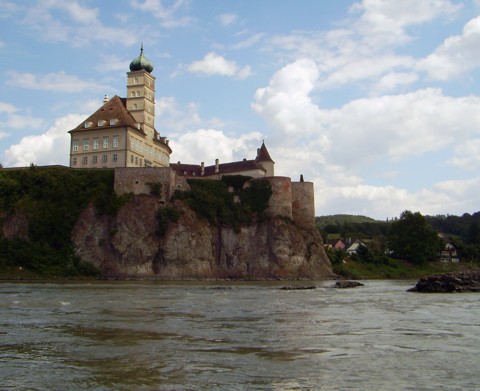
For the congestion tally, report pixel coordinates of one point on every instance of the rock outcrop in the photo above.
(451, 282)
(344, 284)
(128, 245)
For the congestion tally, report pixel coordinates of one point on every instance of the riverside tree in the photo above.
(413, 238)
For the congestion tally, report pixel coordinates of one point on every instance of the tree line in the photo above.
(412, 236)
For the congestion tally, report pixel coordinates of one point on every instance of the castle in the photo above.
(121, 135)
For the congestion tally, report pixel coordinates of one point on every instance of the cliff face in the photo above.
(127, 245)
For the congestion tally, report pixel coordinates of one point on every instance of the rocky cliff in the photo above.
(128, 244)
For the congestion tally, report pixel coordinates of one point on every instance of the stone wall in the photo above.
(303, 204)
(294, 200)
(138, 180)
(280, 203)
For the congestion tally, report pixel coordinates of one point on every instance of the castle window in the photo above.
(132, 94)
(105, 143)
(115, 157)
(115, 141)
(74, 162)
(113, 121)
(95, 143)
(85, 160)
(138, 93)
(136, 160)
(75, 146)
(102, 122)
(104, 158)
(135, 80)
(88, 124)
(85, 144)
(95, 159)
(131, 159)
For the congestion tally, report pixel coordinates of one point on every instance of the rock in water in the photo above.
(451, 282)
(347, 284)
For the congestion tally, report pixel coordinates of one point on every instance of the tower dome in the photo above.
(141, 63)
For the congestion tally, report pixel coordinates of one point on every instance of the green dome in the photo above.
(141, 63)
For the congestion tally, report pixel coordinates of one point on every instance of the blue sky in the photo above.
(375, 101)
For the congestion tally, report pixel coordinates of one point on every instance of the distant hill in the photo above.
(342, 219)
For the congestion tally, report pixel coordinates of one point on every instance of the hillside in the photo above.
(56, 221)
(340, 219)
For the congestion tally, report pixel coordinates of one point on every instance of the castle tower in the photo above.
(141, 94)
(263, 158)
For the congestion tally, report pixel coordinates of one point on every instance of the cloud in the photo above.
(71, 22)
(364, 130)
(12, 117)
(336, 147)
(166, 14)
(385, 22)
(227, 19)
(285, 104)
(56, 82)
(456, 55)
(209, 144)
(51, 147)
(467, 155)
(391, 81)
(213, 64)
(360, 52)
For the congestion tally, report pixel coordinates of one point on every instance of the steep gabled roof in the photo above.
(115, 108)
(263, 155)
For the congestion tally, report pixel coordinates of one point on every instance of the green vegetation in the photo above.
(401, 248)
(212, 200)
(413, 238)
(390, 268)
(52, 199)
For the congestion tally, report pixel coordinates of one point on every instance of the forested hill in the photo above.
(465, 227)
(341, 219)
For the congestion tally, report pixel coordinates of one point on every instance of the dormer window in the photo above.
(102, 122)
(113, 121)
(88, 124)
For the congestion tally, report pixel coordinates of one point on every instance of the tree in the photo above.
(412, 237)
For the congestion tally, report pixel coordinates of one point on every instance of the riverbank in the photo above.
(398, 269)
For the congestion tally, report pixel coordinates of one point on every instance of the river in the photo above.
(236, 336)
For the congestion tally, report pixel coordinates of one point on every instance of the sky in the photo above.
(377, 102)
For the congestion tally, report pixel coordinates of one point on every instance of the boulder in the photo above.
(343, 284)
(451, 282)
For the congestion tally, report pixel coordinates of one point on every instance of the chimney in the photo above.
(217, 166)
(202, 168)
(105, 99)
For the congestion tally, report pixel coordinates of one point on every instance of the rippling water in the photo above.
(238, 336)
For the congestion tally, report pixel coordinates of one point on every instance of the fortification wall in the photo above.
(280, 203)
(138, 180)
(303, 204)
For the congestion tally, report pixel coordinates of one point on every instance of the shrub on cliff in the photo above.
(212, 200)
(52, 198)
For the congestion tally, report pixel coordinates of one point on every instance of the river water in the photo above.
(236, 336)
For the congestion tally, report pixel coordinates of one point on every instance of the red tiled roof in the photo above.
(263, 155)
(224, 168)
(115, 108)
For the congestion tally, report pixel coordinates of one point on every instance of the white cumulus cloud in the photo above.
(51, 147)
(213, 64)
(457, 54)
